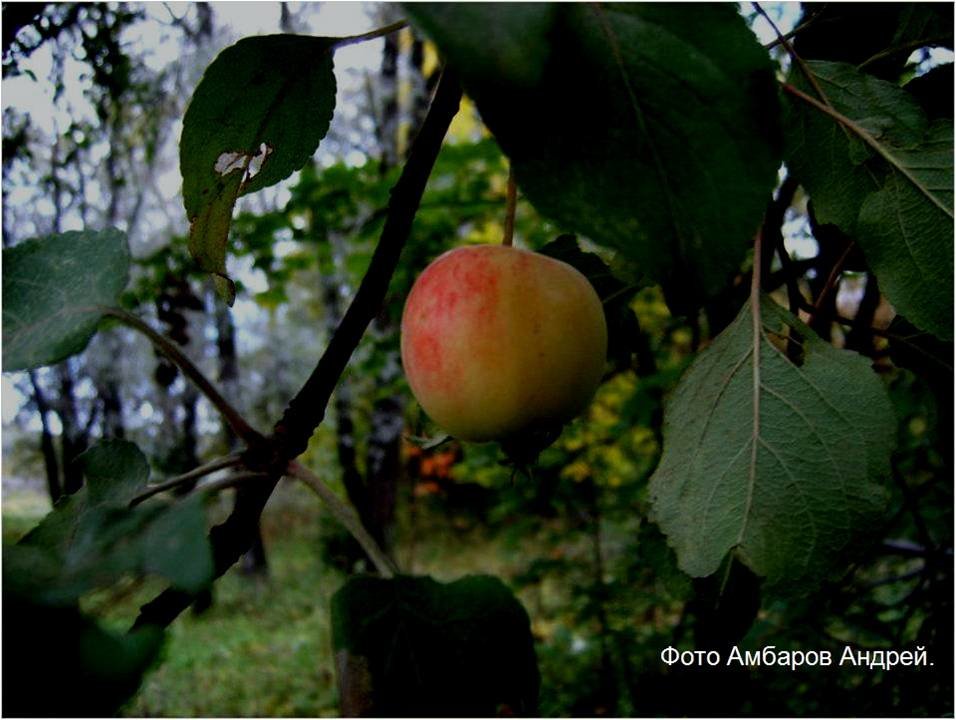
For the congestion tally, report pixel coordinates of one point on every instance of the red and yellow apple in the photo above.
(499, 341)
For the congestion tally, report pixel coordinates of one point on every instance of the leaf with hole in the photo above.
(413, 646)
(892, 191)
(54, 291)
(256, 116)
(777, 461)
(629, 123)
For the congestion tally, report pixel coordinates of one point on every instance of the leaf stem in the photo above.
(201, 471)
(177, 356)
(511, 201)
(347, 518)
(371, 34)
(869, 140)
(832, 281)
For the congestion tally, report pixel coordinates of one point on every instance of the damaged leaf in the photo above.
(256, 117)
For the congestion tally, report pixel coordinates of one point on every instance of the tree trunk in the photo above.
(73, 438)
(46, 441)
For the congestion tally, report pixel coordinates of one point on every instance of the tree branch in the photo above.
(307, 409)
(202, 470)
(347, 518)
(233, 537)
(243, 429)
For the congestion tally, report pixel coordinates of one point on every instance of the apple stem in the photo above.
(512, 201)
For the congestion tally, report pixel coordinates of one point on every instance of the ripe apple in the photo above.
(498, 342)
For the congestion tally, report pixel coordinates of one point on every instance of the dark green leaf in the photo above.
(413, 646)
(266, 100)
(776, 462)
(647, 127)
(92, 538)
(53, 292)
(92, 671)
(896, 202)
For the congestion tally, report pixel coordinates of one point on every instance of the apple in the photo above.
(498, 342)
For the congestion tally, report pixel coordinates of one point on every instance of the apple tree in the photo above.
(677, 146)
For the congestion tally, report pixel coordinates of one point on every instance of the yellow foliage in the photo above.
(577, 471)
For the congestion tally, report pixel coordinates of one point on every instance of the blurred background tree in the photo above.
(93, 100)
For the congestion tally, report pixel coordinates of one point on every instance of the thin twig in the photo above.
(371, 34)
(347, 518)
(832, 281)
(178, 357)
(202, 470)
(511, 201)
(231, 481)
(798, 29)
(804, 68)
(905, 47)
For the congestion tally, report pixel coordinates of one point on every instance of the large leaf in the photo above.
(651, 128)
(412, 646)
(92, 670)
(92, 538)
(265, 100)
(53, 292)
(776, 462)
(890, 188)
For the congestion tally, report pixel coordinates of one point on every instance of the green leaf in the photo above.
(92, 538)
(95, 670)
(54, 289)
(892, 190)
(906, 230)
(642, 126)
(266, 99)
(776, 462)
(414, 646)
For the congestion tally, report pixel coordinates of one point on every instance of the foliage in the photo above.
(284, 114)
(51, 306)
(609, 113)
(888, 182)
(414, 645)
(796, 489)
(812, 437)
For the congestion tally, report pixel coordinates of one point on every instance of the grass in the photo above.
(264, 647)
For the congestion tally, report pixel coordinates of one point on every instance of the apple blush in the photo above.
(499, 342)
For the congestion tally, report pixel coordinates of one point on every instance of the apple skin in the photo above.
(499, 341)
